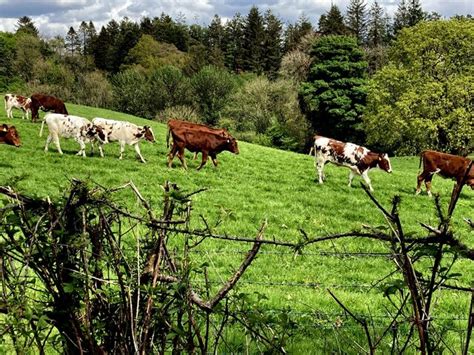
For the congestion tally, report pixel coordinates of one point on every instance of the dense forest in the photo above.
(398, 84)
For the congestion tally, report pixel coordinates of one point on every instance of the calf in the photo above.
(78, 128)
(125, 133)
(17, 101)
(199, 140)
(358, 159)
(46, 103)
(446, 165)
(9, 135)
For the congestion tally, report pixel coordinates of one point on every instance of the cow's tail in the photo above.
(41, 130)
(421, 160)
(168, 133)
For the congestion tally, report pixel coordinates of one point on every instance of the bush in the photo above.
(169, 88)
(212, 88)
(93, 89)
(182, 112)
(270, 109)
(131, 92)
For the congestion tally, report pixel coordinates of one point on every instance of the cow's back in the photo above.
(117, 130)
(447, 165)
(66, 126)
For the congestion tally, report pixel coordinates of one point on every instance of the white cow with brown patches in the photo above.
(125, 133)
(67, 126)
(355, 157)
(17, 101)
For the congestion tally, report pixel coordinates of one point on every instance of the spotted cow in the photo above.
(67, 126)
(125, 133)
(19, 102)
(355, 157)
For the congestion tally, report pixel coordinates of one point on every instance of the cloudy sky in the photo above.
(53, 17)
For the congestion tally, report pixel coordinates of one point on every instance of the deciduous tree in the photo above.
(423, 98)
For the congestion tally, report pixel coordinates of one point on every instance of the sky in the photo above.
(54, 17)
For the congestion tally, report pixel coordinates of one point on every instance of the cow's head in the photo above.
(148, 132)
(231, 145)
(9, 135)
(384, 163)
(96, 132)
(470, 178)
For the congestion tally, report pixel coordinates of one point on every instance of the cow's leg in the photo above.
(122, 148)
(204, 160)
(366, 178)
(428, 184)
(82, 151)
(319, 162)
(420, 179)
(171, 154)
(56, 142)
(101, 151)
(351, 177)
(195, 155)
(181, 157)
(214, 159)
(48, 141)
(137, 149)
(9, 112)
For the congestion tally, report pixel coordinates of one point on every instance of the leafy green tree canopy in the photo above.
(423, 99)
(333, 97)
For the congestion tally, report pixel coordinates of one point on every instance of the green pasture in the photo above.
(277, 186)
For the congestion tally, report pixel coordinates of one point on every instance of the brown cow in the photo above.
(9, 135)
(46, 103)
(199, 139)
(446, 165)
(174, 124)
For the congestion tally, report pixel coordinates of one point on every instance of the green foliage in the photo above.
(356, 19)
(131, 93)
(253, 39)
(151, 54)
(423, 98)
(26, 26)
(333, 97)
(168, 87)
(268, 108)
(212, 88)
(28, 52)
(93, 89)
(7, 50)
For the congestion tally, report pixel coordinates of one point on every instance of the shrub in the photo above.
(131, 92)
(181, 112)
(93, 89)
(212, 88)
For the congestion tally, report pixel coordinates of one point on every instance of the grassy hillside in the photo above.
(261, 183)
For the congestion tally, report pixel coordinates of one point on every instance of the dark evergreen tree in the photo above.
(165, 29)
(104, 47)
(83, 35)
(273, 44)
(332, 23)
(253, 41)
(377, 26)
(401, 17)
(294, 33)
(72, 42)
(91, 38)
(234, 43)
(415, 12)
(356, 19)
(26, 25)
(146, 26)
(214, 42)
(334, 96)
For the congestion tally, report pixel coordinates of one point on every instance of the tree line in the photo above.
(270, 82)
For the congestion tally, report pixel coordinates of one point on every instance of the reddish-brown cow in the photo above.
(446, 165)
(176, 124)
(46, 103)
(9, 135)
(199, 139)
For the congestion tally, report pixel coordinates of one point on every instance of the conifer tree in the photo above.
(214, 41)
(253, 40)
(72, 42)
(332, 23)
(376, 26)
(26, 25)
(234, 43)
(401, 17)
(272, 46)
(356, 19)
(294, 33)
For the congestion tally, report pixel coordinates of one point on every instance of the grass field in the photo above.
(266, 184)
